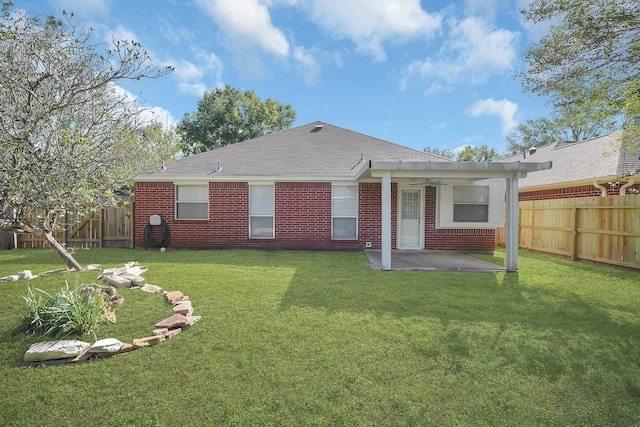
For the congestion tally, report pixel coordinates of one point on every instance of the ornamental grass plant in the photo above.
(67, 311)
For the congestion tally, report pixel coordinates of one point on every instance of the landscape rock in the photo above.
(107, 272)
(51, 350)
(172, 333)
(192, 320)
(174, 296)
(160, 331)
(175, 321)
(118, 281)
(134, 279)
(109, 315)
(148, 341)
(107, 345)
(151, 288)
(26, 274)
(183, 307)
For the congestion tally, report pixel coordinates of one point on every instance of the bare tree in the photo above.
(69, 136)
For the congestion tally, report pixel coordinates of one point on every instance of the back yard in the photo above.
(317, 338)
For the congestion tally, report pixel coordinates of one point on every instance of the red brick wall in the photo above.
(302, 219)
(577, 191)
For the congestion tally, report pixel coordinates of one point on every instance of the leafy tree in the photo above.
(448, 154)
(478, 154)
(227, 115)
(69, 136)
(590, 59)
(562, 126)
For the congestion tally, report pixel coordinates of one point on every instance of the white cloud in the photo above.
(83, 8)
(122, 33)
(473, 52)
(504, 109)
(489, 9)
(196, 89)
(247, 24)
(147, 114)
(176, 34)
(371, 23)
(191, 75)
(308, 64)
(159, 115)
(185, 70)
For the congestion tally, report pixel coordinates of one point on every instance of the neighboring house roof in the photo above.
(317, 149)
(578, 162)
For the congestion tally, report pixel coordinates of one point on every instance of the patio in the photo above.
(432, 261)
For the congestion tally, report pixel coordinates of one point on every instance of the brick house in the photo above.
(594, 167)
(319, 186)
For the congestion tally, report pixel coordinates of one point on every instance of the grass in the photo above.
(316, 338)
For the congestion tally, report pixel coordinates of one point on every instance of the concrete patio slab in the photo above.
(432, 261)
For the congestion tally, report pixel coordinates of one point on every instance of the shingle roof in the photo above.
(313, 150)
(578, 161)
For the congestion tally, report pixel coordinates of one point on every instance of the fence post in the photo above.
(574, 232)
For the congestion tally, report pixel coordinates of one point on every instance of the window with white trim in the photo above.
(344, 212)
(471, 205)
(192, 201)
(261, 209)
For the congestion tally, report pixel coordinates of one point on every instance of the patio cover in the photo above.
(509, 171)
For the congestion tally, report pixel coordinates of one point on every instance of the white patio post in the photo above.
(511, 226)
(386, 220)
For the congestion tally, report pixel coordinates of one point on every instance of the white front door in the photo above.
(410, 219)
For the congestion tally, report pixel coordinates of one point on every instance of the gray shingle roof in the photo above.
(313, 150)
(578, 162)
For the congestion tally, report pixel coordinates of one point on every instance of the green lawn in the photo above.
(316, 338)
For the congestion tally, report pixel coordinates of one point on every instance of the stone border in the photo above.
(62, 352)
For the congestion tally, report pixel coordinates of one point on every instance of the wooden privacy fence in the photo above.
(601, 229)
(108, 228)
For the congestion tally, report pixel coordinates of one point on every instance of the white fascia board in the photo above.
(454, 169)
(191, 178)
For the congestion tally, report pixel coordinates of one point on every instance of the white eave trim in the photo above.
(248, 178)
(452, 169)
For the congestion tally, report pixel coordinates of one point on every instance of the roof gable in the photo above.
(578, 161)
(316, 149)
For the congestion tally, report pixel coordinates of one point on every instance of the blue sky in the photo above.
(417, 73)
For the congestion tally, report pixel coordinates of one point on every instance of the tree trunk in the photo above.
(66, 257)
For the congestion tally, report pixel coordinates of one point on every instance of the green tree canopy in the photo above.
(227, 115)
(478, 154)
(69, 137)
(448, 154)
(563, 126)
(589, 60)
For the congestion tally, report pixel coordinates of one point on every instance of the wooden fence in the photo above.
(600, 229)
(109, 228)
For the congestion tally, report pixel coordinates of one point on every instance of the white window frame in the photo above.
(263, 212)
(496, 204)
(191, 200)
(353, 215)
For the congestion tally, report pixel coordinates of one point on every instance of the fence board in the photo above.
(111, 228)
(602, 229)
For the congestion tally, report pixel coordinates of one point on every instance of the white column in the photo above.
(511, 226)
(386, 220)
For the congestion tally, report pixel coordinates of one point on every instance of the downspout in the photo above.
(601, 188)
(625, 186)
